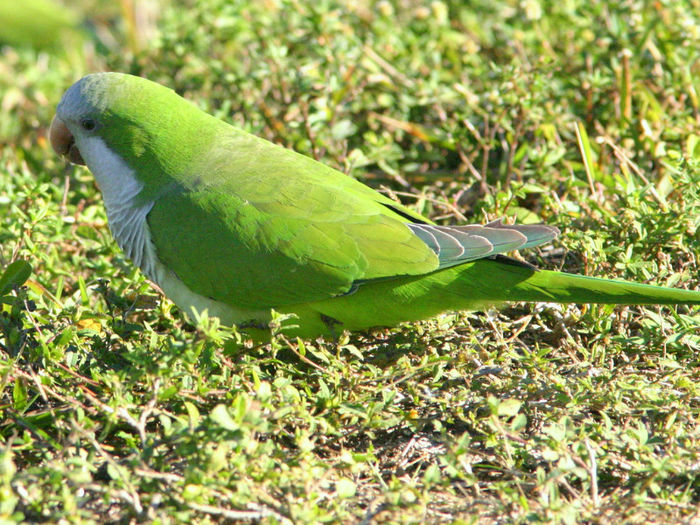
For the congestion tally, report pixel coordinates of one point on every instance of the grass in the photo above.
(581, 115)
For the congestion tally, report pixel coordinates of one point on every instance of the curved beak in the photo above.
(62, 141)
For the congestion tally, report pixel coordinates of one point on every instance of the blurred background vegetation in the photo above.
(584, 115)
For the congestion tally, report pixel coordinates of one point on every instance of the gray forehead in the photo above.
(82, 97)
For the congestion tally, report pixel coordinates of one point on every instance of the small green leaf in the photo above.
(345, 488)
(519, 422)
(509, 407)
(192, 414)
(221, 417)
(19, 395)
(15, 274)
(584, 145)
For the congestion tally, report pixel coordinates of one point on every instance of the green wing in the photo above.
(264, 227)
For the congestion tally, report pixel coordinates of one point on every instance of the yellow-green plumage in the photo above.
(230, 222)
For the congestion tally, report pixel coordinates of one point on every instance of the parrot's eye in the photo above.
(88, 124)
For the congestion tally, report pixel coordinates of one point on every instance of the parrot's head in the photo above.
(79, 115)
(121, 111)
(147, 126)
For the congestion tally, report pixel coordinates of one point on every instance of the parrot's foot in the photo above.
(332, 324)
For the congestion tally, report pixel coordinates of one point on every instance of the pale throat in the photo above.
(120, 188)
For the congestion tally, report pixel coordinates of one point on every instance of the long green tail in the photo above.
(472, 286)
(524, 284)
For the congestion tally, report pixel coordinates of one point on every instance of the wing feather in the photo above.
(260, 226)
(476, 241)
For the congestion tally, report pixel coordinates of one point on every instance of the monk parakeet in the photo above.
(228, 222)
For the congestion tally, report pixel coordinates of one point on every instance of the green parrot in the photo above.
(230, 223)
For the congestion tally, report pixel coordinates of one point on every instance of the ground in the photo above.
(583, 115)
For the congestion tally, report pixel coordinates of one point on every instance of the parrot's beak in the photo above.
(63, 143)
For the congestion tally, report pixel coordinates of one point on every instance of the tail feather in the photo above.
(558, 287)
(472, 286)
